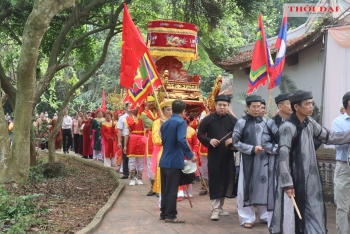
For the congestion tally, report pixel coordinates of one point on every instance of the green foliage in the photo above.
(16, 213)
(36, 173)
(223, 27)
(316, 114)
(240, 98)
(287, 85)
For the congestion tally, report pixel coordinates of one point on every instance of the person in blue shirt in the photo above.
(175, 147)
(342, 171)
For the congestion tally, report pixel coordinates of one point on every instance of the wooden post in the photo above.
(270, 104)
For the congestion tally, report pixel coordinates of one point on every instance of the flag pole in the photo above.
(155, 96)
(165, 89)
(270, 103)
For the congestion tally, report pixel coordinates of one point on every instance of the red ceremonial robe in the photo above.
(137, 140)
(58, 139)
(203, 151)
(87, 148)
(108, 137)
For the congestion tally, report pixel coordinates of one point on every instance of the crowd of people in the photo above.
(276, 157)
(266, 164)
(92, 135)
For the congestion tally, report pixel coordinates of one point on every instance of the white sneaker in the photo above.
(215, 215)
(223, 213)
(132, 182)
(139, 182)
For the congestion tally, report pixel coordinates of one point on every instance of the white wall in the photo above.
(307, 74)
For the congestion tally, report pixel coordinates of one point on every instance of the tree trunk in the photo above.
(5, 149)
(52, 135)
(35, 28)
(52, 148)
(32, 153)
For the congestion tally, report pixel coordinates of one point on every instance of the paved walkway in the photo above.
(133, 212)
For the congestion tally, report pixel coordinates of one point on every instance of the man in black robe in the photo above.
(213, 131)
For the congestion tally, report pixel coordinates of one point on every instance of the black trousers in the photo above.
(170, 180)
(125, 160)
(44, 145)
(66, 133)
(81, 144)
(76, 143)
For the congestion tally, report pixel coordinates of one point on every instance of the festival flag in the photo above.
(133, 48)
(260, 61)
(281, 42)
(146, 73)
(104, 106)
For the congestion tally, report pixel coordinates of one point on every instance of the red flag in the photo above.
(133, 48)
(146, 74)
(260, 62)
(103, 106)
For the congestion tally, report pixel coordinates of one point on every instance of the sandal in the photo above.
(176, 220)
(247, 225)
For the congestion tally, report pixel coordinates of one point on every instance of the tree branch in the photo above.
(79, 46)
(90, 23)
(5, 13)
(117, 32)
(4, 99)
(45, 81)
(13, 34)
(80, 83)
(8, 87)
(56, 48)
(79, 39)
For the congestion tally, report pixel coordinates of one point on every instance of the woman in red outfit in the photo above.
(58, 140)
(86, 125)
(108, 141)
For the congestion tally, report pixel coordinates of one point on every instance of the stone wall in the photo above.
(326, 163)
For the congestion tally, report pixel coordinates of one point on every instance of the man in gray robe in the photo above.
(269, 142)
(252, 183)
(298, 168)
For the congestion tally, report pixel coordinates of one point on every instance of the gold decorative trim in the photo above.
(181, 86)
(177, 31)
